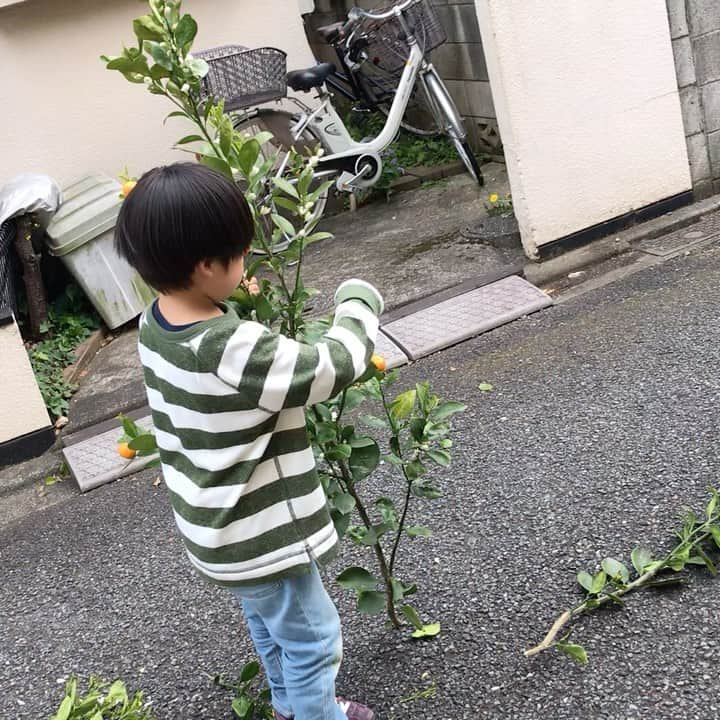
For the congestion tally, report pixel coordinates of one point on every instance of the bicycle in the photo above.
(247, 78)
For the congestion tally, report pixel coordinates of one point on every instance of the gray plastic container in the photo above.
(81, 233)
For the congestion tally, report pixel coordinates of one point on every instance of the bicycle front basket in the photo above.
(388, 48)
(243, 77)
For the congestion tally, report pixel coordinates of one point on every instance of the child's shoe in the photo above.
(353, 710)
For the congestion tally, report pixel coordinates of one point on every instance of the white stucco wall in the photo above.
(588, 109)
(65, 115)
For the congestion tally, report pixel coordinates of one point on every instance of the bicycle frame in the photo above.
(359, 163)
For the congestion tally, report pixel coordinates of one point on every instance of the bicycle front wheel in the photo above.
(280, 123)
(419, 118)
(452, 122)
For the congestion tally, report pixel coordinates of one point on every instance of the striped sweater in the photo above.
(227, 399)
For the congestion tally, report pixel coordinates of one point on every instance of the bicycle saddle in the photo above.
(309, 78)
(330, 33)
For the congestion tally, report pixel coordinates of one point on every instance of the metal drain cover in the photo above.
(705, 231)
(465, 316)
(94, 462)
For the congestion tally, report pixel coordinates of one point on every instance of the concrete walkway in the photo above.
(601, 425)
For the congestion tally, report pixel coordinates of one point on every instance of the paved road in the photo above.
(602, 423)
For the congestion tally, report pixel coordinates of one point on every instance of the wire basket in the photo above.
(388, 48)
(243, 77)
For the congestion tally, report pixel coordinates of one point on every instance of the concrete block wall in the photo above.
(695, 31)
(460, 61)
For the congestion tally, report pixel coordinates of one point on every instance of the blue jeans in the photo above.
(296, 630)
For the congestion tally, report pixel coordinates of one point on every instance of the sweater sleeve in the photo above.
(275, 372)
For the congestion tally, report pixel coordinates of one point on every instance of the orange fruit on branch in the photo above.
(379, 362)
(124, 450)
(127, 187)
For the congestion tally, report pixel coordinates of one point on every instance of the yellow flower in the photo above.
(493, 198)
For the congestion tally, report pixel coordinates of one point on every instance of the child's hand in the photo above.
(252, 286)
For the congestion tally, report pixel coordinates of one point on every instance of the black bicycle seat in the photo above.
(309, 78)
(330, 33)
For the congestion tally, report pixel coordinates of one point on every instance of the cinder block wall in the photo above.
(460, 61)
(695, 30)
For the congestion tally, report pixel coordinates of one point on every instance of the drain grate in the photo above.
(465, 316)
(94, 462)
(705, 231)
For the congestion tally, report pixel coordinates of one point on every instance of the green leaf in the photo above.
(175, 113)
(615, 569)
(640, 559)
(419, 531)
(64, 710)
(218, 164)
(411, 614)
(249, 671)
(373, 422)
(425, 489)
(598, 583)
(712, 506)
(364, 458)
(439, 456)
(576, 652)
(370, 602)
(715, 532)
(339, 452)
(145, 28)
(429, 630)
(485, 387)
(286, 187)
(263, 309)
(198, 67)
(248, 156)
(242, 706)
(357, 578)
(447, 409)
(403, 405)
(283, 224)
(143, 444)
(160, 54)
(189, 139)
(344, 503)
(415, 469)
(585, 579)
(185, 31)
(130, 427)
(705, 559)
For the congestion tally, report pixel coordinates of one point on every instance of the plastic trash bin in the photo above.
(81, 233)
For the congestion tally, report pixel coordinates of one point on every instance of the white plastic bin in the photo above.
(81, 233)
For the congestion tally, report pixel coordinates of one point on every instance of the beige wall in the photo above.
(588, 109)
(65, 115)
(22, 408)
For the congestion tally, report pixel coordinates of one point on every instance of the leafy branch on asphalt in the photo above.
(697, 538)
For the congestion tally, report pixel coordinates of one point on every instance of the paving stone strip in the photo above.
(93, 460)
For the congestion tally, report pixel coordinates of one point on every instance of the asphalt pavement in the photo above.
(601, 425)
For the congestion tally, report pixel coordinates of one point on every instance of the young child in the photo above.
(228, 398)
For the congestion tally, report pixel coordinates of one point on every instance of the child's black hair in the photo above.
(176, 217)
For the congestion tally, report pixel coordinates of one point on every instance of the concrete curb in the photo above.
(600, 250)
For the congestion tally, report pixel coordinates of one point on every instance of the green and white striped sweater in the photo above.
(227, 399)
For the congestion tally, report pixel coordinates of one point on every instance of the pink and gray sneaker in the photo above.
(353, 710)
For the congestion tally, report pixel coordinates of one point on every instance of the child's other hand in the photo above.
(252, 286)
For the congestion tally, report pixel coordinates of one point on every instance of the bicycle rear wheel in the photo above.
(280, 123)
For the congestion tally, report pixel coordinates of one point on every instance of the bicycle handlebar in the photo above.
(356, 14)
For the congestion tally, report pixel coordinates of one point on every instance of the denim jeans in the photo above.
(296, 630)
